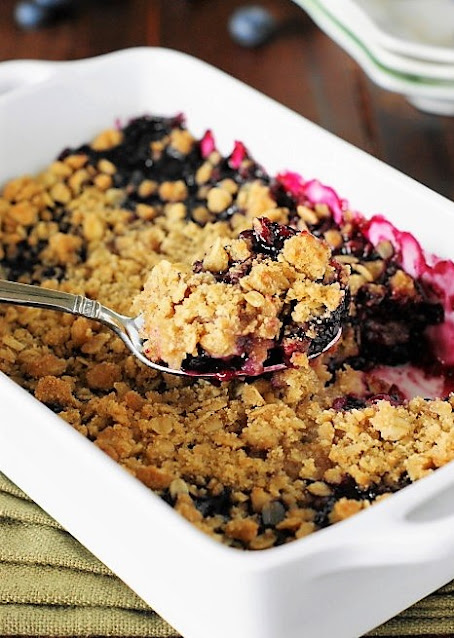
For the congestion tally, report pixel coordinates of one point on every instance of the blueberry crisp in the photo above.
(269, 295)
(256, 268)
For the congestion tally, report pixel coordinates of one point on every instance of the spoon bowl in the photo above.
(127, 328)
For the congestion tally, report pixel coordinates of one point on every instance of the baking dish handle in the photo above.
(16, 74)
(399, 542)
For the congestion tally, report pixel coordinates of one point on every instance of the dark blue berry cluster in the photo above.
(32, 14)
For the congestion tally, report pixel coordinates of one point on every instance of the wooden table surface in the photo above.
(300, 68)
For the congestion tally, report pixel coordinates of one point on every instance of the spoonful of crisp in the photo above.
(252, 305)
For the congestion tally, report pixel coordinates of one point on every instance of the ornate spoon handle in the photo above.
(25, 295)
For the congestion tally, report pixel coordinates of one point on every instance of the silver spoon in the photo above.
(127, 328)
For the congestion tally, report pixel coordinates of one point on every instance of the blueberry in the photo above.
(29, 15)
(251, 26)
(53, 4)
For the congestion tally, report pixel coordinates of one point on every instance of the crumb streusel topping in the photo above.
(269, 292)
(253, 463)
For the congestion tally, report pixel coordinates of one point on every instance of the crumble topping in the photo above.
(257, 462)
(271, 291)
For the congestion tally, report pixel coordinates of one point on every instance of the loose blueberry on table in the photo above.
(33, 14)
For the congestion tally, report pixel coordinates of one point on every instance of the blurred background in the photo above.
(297, 64)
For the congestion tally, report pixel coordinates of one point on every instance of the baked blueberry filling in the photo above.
(253, 462)
(262, 299)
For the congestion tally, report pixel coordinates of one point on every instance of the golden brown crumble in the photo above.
(252, 463)
(186, 312)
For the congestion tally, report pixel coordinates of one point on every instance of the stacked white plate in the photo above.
(405, 46)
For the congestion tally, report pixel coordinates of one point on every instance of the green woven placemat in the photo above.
(50, 585)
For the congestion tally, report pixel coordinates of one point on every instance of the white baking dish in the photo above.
(341, 581)
(424, 69)
(431, 93)
(414, 28)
